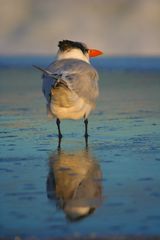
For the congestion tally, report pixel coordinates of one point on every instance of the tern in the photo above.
(70, 84)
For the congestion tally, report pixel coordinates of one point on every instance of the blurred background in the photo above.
(117, 27)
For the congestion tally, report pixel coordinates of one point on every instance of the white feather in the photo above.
(73, 53)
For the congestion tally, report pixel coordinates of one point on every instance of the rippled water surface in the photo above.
(110, 188)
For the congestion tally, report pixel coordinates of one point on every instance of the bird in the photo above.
(70, 83)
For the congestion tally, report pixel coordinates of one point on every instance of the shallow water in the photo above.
(110, 188)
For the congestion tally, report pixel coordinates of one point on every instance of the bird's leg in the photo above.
(86, 128)
(86, 131)
(59, 130)
(59, 143)
(86, 142)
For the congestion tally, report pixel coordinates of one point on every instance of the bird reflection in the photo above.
(74, 182)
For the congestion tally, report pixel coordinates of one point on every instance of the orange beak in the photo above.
(94, 52)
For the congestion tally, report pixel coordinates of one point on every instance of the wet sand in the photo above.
(112, 187)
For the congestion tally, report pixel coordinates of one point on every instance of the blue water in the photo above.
(109, 62)
(116, 178)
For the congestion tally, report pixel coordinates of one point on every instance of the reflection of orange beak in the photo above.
(94, 52)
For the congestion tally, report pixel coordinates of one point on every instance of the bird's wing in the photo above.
(49, 80)
(78, 75)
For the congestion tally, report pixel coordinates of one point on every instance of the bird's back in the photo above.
(73, 91)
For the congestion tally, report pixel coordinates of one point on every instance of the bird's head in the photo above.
(78, 50)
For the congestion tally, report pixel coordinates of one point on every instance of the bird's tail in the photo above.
(42, 70)
(57, 77)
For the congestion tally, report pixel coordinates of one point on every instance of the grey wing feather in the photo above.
(85, 83)
(78, 75)
(48, 82)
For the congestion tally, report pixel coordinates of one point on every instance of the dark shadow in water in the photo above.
(74, 183)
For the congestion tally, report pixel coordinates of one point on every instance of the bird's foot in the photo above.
(86, 135)
(60, 136)
(59, 141)
(86, 139)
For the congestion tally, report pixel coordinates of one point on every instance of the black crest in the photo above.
(67, 44)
